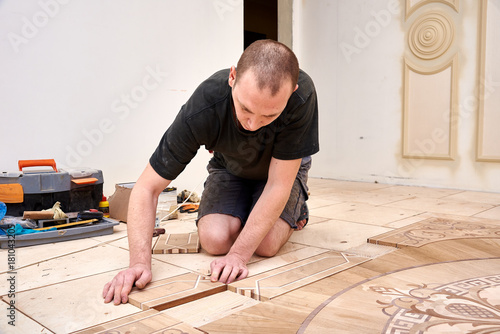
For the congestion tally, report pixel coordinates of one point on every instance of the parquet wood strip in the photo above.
(150, 321)
(244, 323)
(438, 229)
(281, 280)
(119, 322)
(174, 291)
(177, 243)
(206, 310)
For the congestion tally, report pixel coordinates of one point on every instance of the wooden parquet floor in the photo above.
(374, 258)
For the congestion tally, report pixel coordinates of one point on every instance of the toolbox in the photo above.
(104, 227)
(35, 190)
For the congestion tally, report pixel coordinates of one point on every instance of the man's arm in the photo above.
(140, 225)
(270, 205)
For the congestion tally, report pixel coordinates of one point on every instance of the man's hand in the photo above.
(228, 269)
(119, 288)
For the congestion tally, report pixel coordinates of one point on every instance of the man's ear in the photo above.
(296, 87)
(232, 76)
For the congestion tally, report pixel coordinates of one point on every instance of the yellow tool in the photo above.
(82, 222)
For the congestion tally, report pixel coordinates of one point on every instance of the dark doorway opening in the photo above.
(260, 20)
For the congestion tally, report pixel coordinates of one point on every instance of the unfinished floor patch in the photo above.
(441, 205)
(206, 310)
(336, 235)
(438, 229)
(371, 251)
(21, 323)
(177, 243)
(150, 321)
(72, 305)
(364, 213)
(90, 261)
(174, 291)
(281, 280)
(262, 318)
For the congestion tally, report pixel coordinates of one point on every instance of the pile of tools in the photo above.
(50, 219)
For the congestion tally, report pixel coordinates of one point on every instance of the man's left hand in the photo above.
(228, 269)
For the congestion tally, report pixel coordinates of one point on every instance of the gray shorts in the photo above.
(231, 195)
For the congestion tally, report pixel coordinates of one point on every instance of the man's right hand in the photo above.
(228, 269)
(121, 285)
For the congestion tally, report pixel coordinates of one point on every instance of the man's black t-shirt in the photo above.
(207, 119)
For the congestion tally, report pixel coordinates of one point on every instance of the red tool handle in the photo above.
(37, 163)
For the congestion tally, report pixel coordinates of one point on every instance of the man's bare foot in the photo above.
(304, 217)
(301, 224)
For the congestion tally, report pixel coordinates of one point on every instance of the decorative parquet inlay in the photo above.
(451, 286)
(438, 229)
(470, 304)
(281, 280)
(177, 243)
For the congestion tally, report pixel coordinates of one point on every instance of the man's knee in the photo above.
(269, 247)
(217, 233)
(267, 250)
(214, 243)
(275, 239)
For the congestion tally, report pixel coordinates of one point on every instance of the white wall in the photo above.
(95, 83)
(67, 69)
(354, 50)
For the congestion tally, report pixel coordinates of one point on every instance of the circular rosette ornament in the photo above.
(431, 35)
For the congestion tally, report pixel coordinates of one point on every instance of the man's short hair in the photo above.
(273, 64)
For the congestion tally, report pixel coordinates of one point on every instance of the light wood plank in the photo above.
(493, 213)
(118, 322)
(71, 306)
(336, 234)
(22, 323)
(62, 269)
(32, 255)
(245, 323)
(477, 197)
(209, 309)
(365, 213)
(150, 321)
(442, 205)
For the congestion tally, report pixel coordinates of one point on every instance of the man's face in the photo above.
(254, 107)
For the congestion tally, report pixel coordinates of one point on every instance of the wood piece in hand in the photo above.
(158, 231)
(48, 214)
